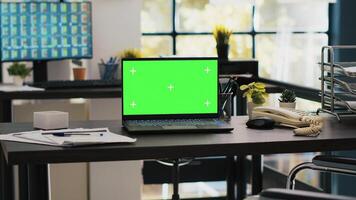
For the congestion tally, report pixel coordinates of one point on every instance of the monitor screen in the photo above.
(170, 86)
(45, 30)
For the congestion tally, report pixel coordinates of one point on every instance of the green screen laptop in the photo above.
(171, 94)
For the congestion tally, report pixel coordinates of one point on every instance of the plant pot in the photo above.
(223, 51)
(79, 73)
(287, 105)
(18, 80)
(250, 107)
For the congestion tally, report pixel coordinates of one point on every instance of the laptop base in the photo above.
(177, 126)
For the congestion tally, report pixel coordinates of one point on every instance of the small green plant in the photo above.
(77, 62)
(257, 97)
(131, 53)
(19, 69)
(222, 35)
(255, 92)
(287, 96)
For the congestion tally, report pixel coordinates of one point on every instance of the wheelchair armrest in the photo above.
(284, 194)
(335, 162)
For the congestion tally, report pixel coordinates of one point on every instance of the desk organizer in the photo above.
(338, 83)
(109, 71)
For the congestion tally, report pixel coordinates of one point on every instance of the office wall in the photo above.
(116, 26)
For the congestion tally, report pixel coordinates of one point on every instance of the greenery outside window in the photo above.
(285, 36)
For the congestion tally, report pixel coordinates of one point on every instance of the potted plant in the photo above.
(222, 36)
(131, 53)
(19, 71)
(287, 99)
(256, 95)
(79, 72)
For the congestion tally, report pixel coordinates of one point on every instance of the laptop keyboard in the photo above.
(176, 122)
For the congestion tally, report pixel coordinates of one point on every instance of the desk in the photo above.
(6, 116)
(242, 141)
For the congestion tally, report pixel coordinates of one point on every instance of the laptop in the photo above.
(171, 95)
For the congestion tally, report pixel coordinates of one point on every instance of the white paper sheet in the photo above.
(84, 137)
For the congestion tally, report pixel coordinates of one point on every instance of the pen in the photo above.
(231, 86)
(114, 60)
(78, 132)
(68, 134)
(227, 86)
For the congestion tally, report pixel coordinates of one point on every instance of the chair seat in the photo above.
(284, 194)
(335, 162)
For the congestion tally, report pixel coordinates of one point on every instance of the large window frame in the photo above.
(253, 33)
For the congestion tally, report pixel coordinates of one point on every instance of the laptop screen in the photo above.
(170, 86)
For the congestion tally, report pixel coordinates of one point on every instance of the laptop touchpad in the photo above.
(178, 127)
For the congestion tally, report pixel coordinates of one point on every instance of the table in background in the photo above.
(7, 97)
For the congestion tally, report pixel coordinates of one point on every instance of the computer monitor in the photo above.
(45, 30)
(170, 86)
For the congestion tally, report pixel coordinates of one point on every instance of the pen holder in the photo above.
(108, 71)
(225, 105)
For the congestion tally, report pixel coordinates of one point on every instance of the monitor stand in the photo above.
(40, 71)
(1, 68)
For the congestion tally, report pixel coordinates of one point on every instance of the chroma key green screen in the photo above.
(163, 87)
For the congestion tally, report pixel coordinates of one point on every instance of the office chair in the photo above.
(285, 194)
(175, 164)
(324, 163)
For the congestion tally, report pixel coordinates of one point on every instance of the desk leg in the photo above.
(230, 178)
(33, 181)
(6, 179)
(5, 111)
(257, 172)
(241, 176)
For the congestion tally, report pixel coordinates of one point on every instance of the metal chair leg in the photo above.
(293, 173)
(175, 164)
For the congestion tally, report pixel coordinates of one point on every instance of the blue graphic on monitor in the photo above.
(45, 30)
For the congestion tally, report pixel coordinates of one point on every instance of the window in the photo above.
(285, 36)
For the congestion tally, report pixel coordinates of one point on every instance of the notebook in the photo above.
(171, 95)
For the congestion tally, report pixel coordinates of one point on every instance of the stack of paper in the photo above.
(68, 137)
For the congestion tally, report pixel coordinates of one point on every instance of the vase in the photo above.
(18, 80)
(290, 105)
(223, 51)
(79, 73)
(250, 107)
(225, 106)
